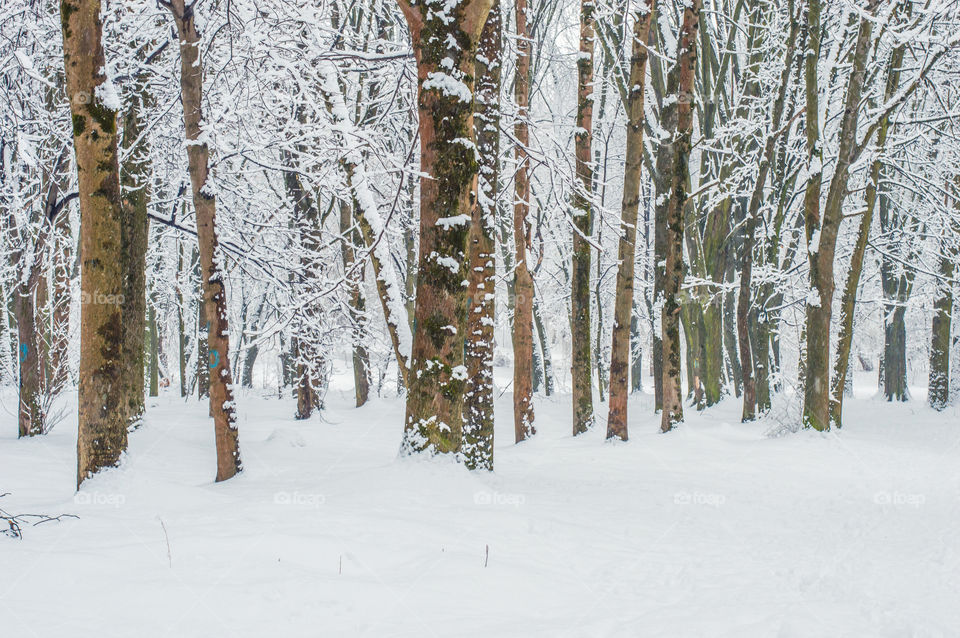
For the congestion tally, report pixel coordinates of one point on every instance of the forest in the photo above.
(695, 263)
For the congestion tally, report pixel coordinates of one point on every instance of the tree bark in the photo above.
(523, 280)
(102, 434)
(135, 177)
(680, 85)
(222, 404)
(444, 44)
(620, 363)
(822, 230)
(355, 300)
(477, 447)
(581, 370)
(939, 384)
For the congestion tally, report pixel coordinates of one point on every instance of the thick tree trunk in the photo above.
(222, 404)
(477, 447)
(623, 320)
(523, 280)
(444, 43)
(681, 85)
(102, 434)
(580, 369)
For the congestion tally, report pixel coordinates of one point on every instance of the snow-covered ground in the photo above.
(713, 530)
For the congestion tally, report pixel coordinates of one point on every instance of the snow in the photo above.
(712, 530)
(448, 86)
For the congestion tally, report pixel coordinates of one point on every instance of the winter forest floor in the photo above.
(713, 530)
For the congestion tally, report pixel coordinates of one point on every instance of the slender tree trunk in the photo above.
(444, 44)
(181, 325)
(623, 320)
(154, 351)
(581, 370)
(31, 416)
(636, 355)
(939, 388)
(355, 300)
(822, 228)
(681, 84)
(848, 304)
(102, 425)
(523, 280)
(544, 339)
(214, 291)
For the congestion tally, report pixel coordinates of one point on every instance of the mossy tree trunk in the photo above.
(623, 318)
(222, 405)
(680, 85)
(582, 210)
(445, 38)
(102, 434)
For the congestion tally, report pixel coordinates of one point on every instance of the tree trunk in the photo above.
(154, 351)
(523, 280)
(444, 44)
(681, 85)
(544, 340)
(135, 177)
(939, 389)
(31, 416)
(477, 448)
(623, 320)
(822, 231)
(580, 368)
(849, 301)
(102, 434)
(355, 300)
(214, 291)
(181, 325)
